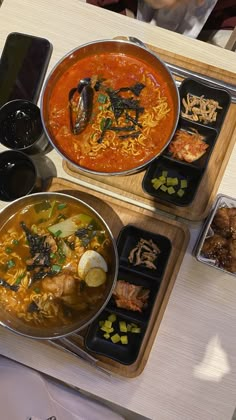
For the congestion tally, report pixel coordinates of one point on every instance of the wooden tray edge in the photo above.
(138, 366)
(190, 63)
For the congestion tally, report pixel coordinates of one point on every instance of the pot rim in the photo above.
(138, 168)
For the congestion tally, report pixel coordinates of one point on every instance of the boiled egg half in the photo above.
(92, 268)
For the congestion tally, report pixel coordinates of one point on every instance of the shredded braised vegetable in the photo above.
(200, 109)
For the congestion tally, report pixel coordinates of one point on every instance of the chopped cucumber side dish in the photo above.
(118, 332)
(170, 185)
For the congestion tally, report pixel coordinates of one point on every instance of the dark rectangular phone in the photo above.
(23, 65)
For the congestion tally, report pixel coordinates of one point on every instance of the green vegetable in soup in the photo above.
(51, 209)
(102, 98)
(43, 205)
(8, 250)
(61, 206)
(69, 226)
(56, 268)
(11, 263)
(20, 278)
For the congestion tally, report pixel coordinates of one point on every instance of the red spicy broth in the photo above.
(132, 138)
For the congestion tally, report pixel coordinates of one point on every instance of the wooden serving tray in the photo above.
(131, 186)
(118, 214)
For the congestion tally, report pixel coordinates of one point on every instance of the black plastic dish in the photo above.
(198, 89)
(122, 353)
(138, 280)
(128, 239)
(210, 137)
(192, 174)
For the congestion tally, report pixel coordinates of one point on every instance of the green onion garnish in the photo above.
(19, 278)
(11, 263)
(8, 250)
(61, 206)
(102, 98)
(56, 268)
(57, 233)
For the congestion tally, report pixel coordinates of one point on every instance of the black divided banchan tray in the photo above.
(136, 321)
(179, 169)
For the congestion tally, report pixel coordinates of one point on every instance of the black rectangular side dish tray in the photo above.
(136, 320)
(122, 353)
(179, 171)
(193, 87)
(128, 240)
(174, 169)
(209, 137)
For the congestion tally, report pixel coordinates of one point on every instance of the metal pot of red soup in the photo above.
(110, 107)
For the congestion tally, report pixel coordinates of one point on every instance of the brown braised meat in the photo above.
(230, 263)
(215, 247)
(222, 245)
(224, 222)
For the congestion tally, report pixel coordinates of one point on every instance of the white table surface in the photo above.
(191, 371)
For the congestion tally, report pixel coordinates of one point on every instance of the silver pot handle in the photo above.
(181, 72)
(68, 345)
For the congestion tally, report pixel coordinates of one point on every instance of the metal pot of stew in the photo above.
(110, 107)
(58, 265)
